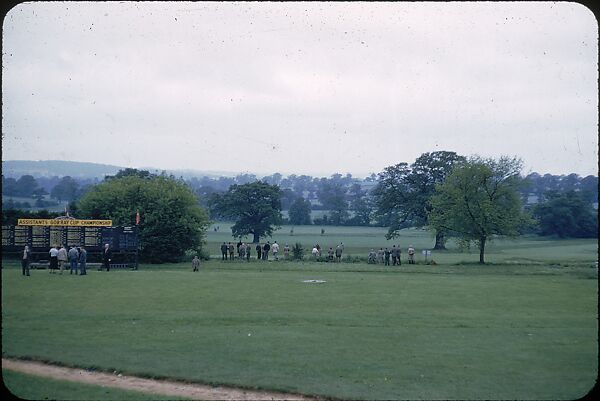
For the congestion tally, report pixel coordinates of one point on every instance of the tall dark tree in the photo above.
(566, 215)
(255, 207)
(332, 196)
(403, 193)
(66, 189)
(25, 186)
(299, 212)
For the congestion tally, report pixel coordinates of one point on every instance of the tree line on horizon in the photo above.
(471, 198)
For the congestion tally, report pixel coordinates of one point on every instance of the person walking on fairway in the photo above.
(25, 261)
(62, 258)
(73, 260)
(275, 250)
(195, 263)
(82, 261)
(266, 250)
(286, 252)
(248, 249)
(106, 257)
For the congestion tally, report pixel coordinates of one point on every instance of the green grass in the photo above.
(506, 331)
(32, 387)
(358, 241)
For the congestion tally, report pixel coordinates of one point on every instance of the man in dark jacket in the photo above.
(224, 251)
(106, 257)
(258, 251)
(266, 250)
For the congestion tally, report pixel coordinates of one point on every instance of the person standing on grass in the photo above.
(73, 260)
(330, 254)
(386, 255)
(411, 255)
(82, 261)
(266, 250)
(106, 257)
(380, 255)
(231, 251)
(275, 249)
(63, 257)
(53, 259)
(394, 255)
(224, 251)
(338, 252)
(248, 249)
(195, 263)
(242, 251)
(25, 261)
(258, 251)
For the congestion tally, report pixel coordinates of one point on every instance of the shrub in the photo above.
(297, 251)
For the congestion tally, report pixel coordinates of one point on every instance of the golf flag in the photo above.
(137, 218)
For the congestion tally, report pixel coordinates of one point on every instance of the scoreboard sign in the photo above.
(43, 237)
(65, 222)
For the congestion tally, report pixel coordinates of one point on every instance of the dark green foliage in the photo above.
(66, 189)
(299, 212)
(480, 199)
(297, 251)
(255, 207)
(11, 216)
(566, 215)
(403, 194)
(171, 220)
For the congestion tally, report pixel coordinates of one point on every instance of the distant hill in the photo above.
(50, 168)
(60, 168)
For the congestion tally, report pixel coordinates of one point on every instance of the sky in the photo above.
(300, 88)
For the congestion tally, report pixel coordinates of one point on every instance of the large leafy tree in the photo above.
(479, 200)
(566, 215)
(332, 195)
(255, 207)
(67, 189)
(172, 222)
(299, 212)
(403, 193)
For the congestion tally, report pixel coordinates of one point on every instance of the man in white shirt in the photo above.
(275, 250)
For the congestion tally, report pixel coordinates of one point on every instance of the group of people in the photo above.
(383, 255)
(331, 253)
(243, 251)
(75, 258)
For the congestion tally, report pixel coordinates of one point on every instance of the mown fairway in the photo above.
(509, 331)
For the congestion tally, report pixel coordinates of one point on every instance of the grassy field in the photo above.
(358, 241)
(521, 328)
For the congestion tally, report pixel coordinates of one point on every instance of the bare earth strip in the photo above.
(191, 391)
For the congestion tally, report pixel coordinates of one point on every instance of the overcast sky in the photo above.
(304, 88)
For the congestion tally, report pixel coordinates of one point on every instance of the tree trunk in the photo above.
(256, 238)
(440, 241)
(482, 249)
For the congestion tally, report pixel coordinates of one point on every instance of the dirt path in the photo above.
(192, 391)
